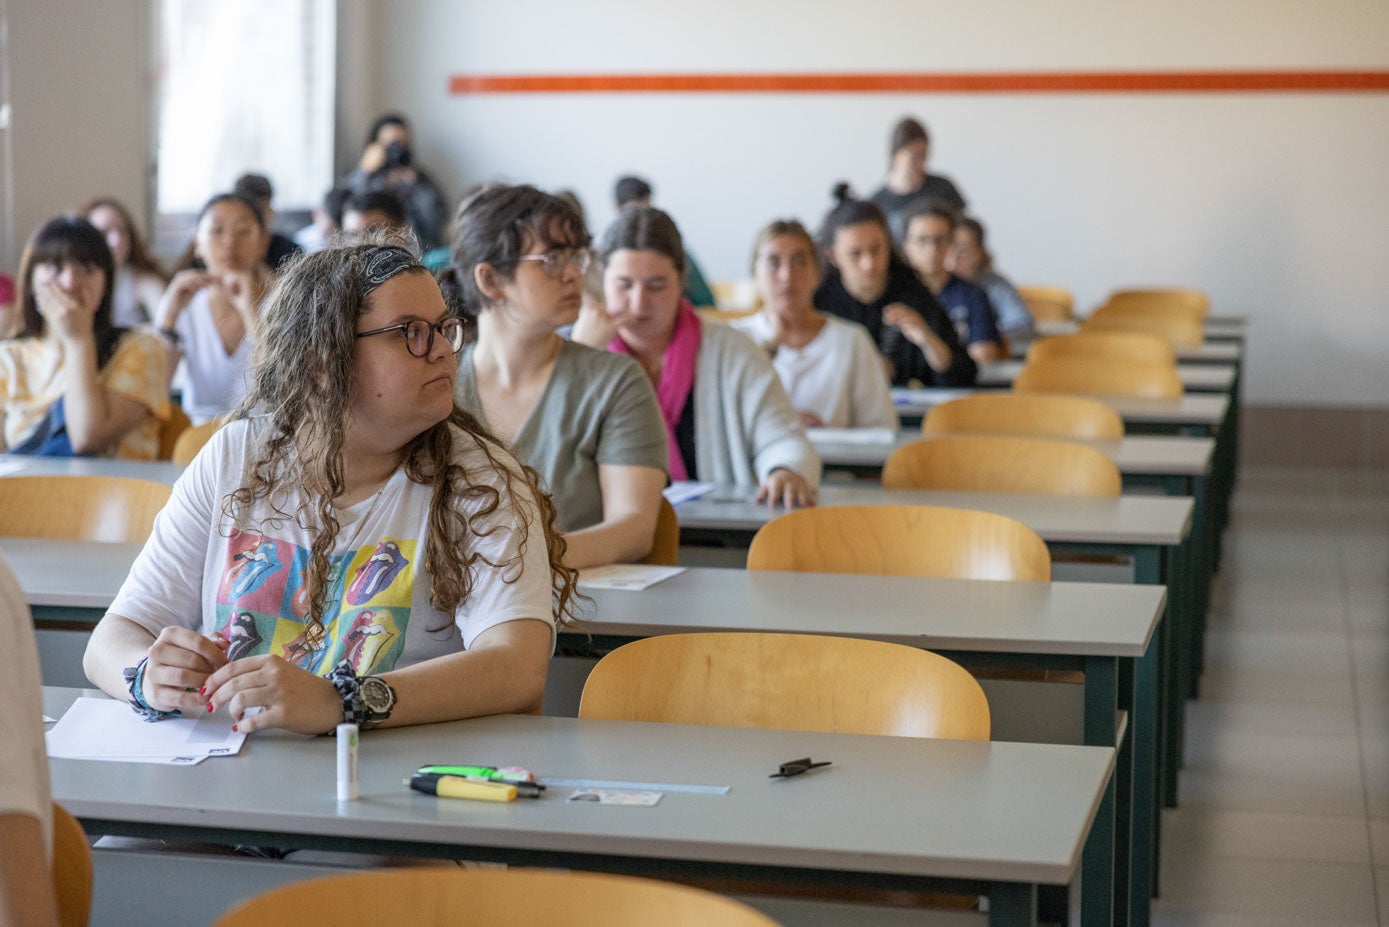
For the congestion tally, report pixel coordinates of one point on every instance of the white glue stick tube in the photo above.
(347, 762)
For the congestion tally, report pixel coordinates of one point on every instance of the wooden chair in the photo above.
(192, 441)
(901, 540)
(665, 546)
(1099, 377)
(170, 429)
(1048, 303)
(725, 315)
(992, 463)
(1162, 298)
(439, 897)
(735, 295)
(1182, 327)
(80, 508)
(1135, 346)
(1025, 414)
(72, 869)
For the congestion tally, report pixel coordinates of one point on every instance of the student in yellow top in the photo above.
(71, 383)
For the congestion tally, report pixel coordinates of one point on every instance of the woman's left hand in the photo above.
(786, 487)
(288, 697)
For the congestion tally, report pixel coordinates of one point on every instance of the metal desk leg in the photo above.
(1012, 904)
(1147, 823)
(1152, 565)
(1098, 863)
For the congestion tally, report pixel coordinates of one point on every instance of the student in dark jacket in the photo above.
(868, 282)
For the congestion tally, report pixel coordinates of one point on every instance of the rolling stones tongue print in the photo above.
(262, 608)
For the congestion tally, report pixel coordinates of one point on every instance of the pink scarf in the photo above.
(677, 378)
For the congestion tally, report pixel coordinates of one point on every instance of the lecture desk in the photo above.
(1207, 352)
(1196, 378)
(891, 813)
(1218, 329)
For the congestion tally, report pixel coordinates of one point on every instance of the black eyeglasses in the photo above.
(419, 334)
(553, 262)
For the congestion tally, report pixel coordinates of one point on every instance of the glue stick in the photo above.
(347, 762)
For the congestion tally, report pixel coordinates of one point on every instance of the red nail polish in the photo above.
(235, 729)
(209, 707)
(202, 690)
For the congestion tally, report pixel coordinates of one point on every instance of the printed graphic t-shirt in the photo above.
(246, 584)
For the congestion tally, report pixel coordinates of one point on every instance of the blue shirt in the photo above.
(969, 308)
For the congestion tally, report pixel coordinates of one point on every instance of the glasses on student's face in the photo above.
(419, 334)
(555, 260)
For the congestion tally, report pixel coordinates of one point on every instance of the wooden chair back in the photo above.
(1162, 299)
(1139, 347)
(1025, 414)
(798, 682)
(72, 869)
(1099, 377)
(1182, 327)
(1048, 303)
(514, 897)
(901, 540)
(735, 295)
(80, 508)
(170, 429)
(992, 463)
(665, 546)
(192, 441)
(725, 315)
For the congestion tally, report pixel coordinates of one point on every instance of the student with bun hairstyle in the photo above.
(970, 258)
(929, 230)
(868, 282)
(907, 177)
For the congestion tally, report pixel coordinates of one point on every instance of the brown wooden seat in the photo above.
(1048, 303)
(1139, 347)
(725, 315)
(665, 545)
(72, 869)
(992, 463)
(447, 897)
(1181, 326)
(192, 441)
(171, 429)
(1162, 298)
(1099, 377)
(80, 508)
(901, 540)
(1025, 414)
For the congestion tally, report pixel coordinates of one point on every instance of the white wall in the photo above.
(1276, 204)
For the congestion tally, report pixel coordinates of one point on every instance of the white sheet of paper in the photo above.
(10, 467)
(98, 728)
(633, 577)
(851, 435)
(684, 491)
(48, 720)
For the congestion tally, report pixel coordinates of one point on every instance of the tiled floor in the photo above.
(1284, 816)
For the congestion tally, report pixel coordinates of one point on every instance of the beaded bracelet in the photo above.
(135, 682)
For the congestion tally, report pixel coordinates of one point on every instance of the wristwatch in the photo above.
(366, 700)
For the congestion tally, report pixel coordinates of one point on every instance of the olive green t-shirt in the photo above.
(597, 408)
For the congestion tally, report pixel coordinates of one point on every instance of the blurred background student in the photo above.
(388, 163)
(629, 191)
(929, 229)
(970, 258)
(908, 180)
(379, 209)
(140, 281)
(256, 188)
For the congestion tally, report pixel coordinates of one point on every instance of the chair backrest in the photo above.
(1135, 346)
(1097, 376)
(80, 508)
(1182, 327)
(515, 897)
(992, 463)
(1025, 414)
(665, 546)
(726, 315)
(192, 441)
(170, 430)
(1163, 298)
(1048, 303)
(72, 869)
(733, 295)
(901, 540)
(798, 682)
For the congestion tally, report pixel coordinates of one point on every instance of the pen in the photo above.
(487, 773)
(458, 787)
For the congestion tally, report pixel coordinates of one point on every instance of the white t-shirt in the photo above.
(23, 760)
(213, 381)
(199, 571)
(837, 375)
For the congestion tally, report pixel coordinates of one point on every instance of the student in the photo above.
(830, 367)
(140, 281)
(907, 177)
(257, 189)
(71, 383)
(866, 282)
(327, 221)
(27, 897)
(631, 191)
(970, 258)
(208, 316)
(388, 163)
(352, 546)
(586, 420)
(379, 209)
(727, 417)
(11, 320)
(929, 230)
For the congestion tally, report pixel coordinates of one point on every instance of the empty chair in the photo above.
(665, 546)
(80, 508)
(1048, 303)
(1162, 298)
(1099, 377)
(438, 897)
(1118, 344)
(987, 463)
(1025, 414)
(72, 869)
(192, 441)
(171, 429)
(1181, 326)
(901, 540)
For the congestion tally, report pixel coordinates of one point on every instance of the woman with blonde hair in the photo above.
(352, 546)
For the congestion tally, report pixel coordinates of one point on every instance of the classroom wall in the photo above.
(1274, 203)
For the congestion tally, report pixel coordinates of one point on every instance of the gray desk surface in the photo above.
(1162, 520)
(160, 471)
(76, 574)
(1218, 328)
(1201, 378)
(904, 806)
(1209, 352)
(1204, 409)
(1088, 619)
(1161, 455)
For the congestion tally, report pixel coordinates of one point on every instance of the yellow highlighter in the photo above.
(458, 787)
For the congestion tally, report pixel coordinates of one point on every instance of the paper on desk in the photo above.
(101, 729)
(8, 467)
(851, 435)
(632, 577)
(48, 720)
(684, 491)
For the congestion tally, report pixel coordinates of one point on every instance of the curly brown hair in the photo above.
(300, 380)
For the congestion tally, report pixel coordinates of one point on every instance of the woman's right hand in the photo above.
(178, 293)
(180, 660)
(373, 158)
(64, 313)
(596, 326)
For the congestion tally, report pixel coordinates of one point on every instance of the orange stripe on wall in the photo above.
(1041, 82)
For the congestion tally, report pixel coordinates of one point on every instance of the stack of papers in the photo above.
(632, 577)
(684, 491)
(105, 729)
(851, 435)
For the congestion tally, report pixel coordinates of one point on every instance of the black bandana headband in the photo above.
(385, 262)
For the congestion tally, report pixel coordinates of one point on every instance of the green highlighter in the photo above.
(507, 774)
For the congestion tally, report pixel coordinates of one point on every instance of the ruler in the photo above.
(634, 786)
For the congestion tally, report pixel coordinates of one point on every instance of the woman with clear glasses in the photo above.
(585, 420)
(352, 546)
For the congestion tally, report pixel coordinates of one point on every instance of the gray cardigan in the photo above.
(745, 426)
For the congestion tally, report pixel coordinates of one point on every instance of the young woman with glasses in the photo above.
(352, 546)
(586, 420)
